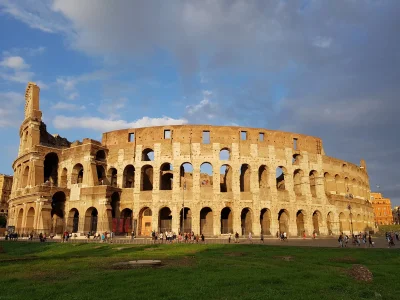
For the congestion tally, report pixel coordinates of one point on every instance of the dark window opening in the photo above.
(295, 144)
(167, 134)
(261, 137)
(131, 137)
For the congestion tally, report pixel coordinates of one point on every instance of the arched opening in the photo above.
(265, 221)
(50, 169)
(296, 159)
(101, 175)
(225, 179)
(125, 221)
(300, 222)
(317, 221)
(280, 178)
(25, 177)
(329, 222)
(339, 185)
(91, 218)
(19, 221)
(343, 225)
(64, 178)
(115, 205)
(186, 176)
(226, 220)
(145, 220)
(58, 212)
(165, 219)
(328, 182)
(263, 177)
(245, 178)
(206, 221)
(206, 175)
(30, 217)
(354, 188)
(313, 184)
(146, 183)
(347, 185)
(246, 221)
(112, 177)
(166, 177)
(297, 175)
(101, 155)
(224, 154)
(283, 219)
(147, 154)
(185, 224)
(129, 177)
(77, 174)
(73, 220)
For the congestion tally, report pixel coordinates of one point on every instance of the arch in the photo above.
(206, 175)
(73, 220)
(166, 176)
(344, 168)
(146, 180)
(50, 169)
(19, 219)
(185, 224)
(64, 178)
(339, 185)
(101, 175)
(328, 182)
(125, 221)
(186, 175)
(101, 155)
(245, 178)
(25, 177)
(112, 175)
(300, 222)
(129, 177)
(280, 178)
(91, 220)
(115, 204)
(297, 175)
(58, 212)
(225, 154)
(165, 219)
(347, 185)
(296, 159)
(263, 177)
(317, 221)
(145, 221)
(226, 220)
(329, 222)
(30, 217)
(77, 174)
(283, 220)
(246, 221)
(206, 221)
(148, 154)
(265, 221)
(343, 223)
(225, 178)
(313, 185)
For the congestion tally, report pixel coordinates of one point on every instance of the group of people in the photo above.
(104, 237)
(390, 237)
(356, 239)
(172, 237)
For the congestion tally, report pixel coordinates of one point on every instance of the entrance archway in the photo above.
(91, 218)
(165, 219)
(73, 220)
(30, 216)
(226, 220)
(246, 221)
(283, 219)
(185, 225)
(50, 169)
(115, 204)
(265, 221)
(317, 220)
(300, 222)
(19, 221)
(145, 220)
(125, 221)
(206, 221)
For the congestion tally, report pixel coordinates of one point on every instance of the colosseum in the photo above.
(208, 179)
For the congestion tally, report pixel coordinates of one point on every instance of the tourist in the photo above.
(236, 237)
(370, 242)
(284, 236)
(133, 235)
(262, 238)
(202, 238)
(229, 238)
(250, 238)
(340, 240)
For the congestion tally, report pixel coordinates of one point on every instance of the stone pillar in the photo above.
(195, 220)
(274, 225)
(217, 223)
(236, 221)
(175, 210)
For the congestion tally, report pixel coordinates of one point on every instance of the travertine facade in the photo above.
(226, 177)
(5, 191)
(382, 209)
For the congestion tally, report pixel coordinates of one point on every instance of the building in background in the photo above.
(5, 191)
(396, 215)
(382, 209)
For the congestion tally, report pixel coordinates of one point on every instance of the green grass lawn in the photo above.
(85, 271)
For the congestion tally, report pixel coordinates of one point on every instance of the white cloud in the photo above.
(10, 108)
(14, 62)
(104, 125)
(205, 109)
(67, 106)
(322, 42)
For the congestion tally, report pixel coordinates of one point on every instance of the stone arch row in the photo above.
(345, 186)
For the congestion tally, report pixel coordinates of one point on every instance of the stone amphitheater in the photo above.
(207, 179)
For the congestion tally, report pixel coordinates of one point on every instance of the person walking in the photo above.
(250, 238)
(262, 238)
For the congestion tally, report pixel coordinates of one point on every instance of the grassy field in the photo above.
(85, 271)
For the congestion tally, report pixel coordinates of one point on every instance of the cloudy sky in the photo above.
(324, 68)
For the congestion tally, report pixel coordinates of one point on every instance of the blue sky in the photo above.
(324, 68)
